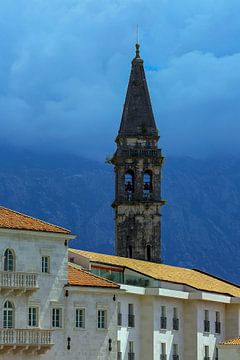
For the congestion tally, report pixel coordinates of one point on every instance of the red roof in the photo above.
(10, 219)
(84, 278)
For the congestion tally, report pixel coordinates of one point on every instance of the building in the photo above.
(47, 307)
(137, 164)
(229, 350)
(167, 312)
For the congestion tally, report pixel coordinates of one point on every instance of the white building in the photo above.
(52, 309)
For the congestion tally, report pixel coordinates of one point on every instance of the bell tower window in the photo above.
(147, 184)
(129, 184)
(130, 251)
(148, 252)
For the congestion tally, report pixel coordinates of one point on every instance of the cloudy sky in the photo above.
(64, 68)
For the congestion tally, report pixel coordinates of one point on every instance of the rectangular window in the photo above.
(119, 353)
(216, 354)
(206, 352)
(45, 264)
(206, 321)
(102, 319)
(175, 352)
(33, 316)
(163, 320)
(119, 314)
(175, 319)
(57, 317)
(131, 354)
(163, 355)
(131, 317)
(80, 318)
(218, 323)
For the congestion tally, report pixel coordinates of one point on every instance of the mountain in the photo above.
(200, 222)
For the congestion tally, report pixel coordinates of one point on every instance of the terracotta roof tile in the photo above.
(235, 341)
(10, 219)
(84, 278)
(189, 277)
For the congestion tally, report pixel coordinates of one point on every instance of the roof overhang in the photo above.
(36, 234)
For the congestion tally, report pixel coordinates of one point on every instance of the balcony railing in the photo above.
(175, 357)
(18, 280)
(163, 357)
(25, 339)
(217, 327)
(119, 322)
(131, 321)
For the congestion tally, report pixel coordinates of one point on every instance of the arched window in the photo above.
(129, 184)
(147, 184)
(9, 260)
(148, 252)
(130, 252)
(8, 315)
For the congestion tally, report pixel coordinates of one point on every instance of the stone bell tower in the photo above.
(137, 163)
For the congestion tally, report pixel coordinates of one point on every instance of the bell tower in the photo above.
(137, 164)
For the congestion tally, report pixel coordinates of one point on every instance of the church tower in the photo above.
(137, 164)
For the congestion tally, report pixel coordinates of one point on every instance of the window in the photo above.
(102, 319)
(131, 354)
(129, 184)
(216, 354)
(119, 353)
(9, 260)
(163, 320)
(130, 251)
(131, 316)
(57, 317)
(8, 315)
(163, 355)
(218, 323)
(33, 316)
(175, 352)
(175, 319)
(206, 353)
(147, 184)
(206, 321)
(80, 318)
(119, 314)
(45, 264)
(148, 252)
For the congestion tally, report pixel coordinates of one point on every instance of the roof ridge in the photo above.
(33, 218)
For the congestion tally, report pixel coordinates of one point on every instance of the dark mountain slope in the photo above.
(201, 220)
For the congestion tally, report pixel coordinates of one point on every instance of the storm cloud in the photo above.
(64, 67)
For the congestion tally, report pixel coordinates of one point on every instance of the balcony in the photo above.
(163, 357)
(175, 357)
(10, 280)
(119, 355)
(25, 340)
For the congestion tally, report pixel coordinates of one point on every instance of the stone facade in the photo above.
(138, 162)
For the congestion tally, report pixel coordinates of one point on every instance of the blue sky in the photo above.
(64, 68)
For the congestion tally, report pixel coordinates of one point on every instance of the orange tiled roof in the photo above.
(84, 278)
(193, 278)
(235, 341)
(10, 219)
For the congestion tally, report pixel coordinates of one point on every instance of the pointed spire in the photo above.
(137, 117)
